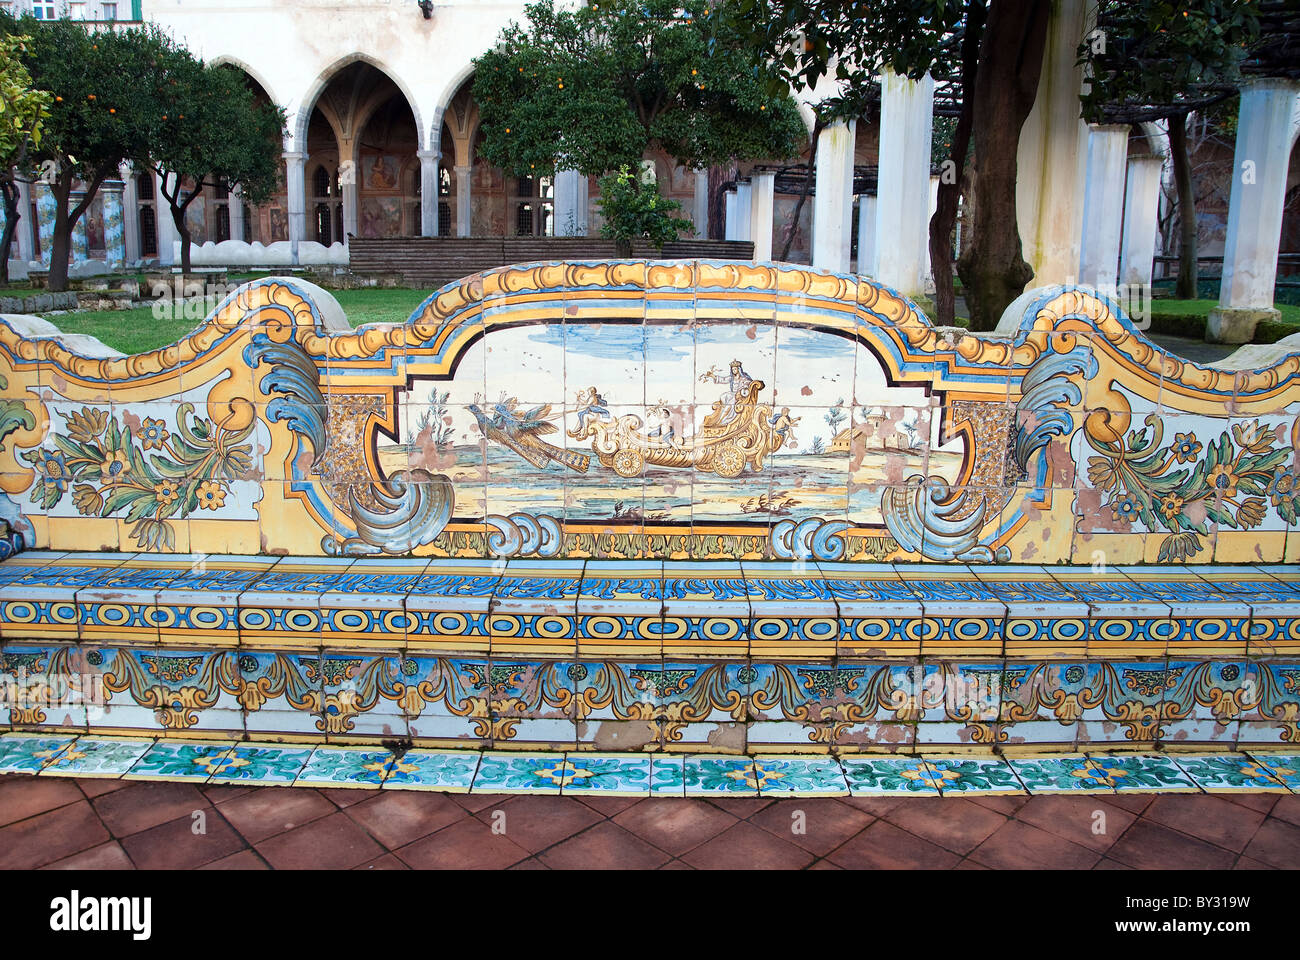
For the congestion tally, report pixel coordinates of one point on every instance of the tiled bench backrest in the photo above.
(670, 410)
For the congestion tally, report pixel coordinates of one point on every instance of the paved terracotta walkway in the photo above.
(84, 824)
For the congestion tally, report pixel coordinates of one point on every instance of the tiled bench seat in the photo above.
(651, 655)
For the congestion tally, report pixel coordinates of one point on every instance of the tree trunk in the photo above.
(61, 239)
(1188, 278)
(992, 268)
(178, 218)
(793, 227)
(949, 196)
(12, 216)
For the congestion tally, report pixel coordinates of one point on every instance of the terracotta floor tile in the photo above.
(1134, 803)
(825, 865)
(1075, 819)
(825, 823)
(969, 864)
(106, 856)
(742, 807)
(675, 824)
(331, 843)
(474, 802)
(1021, 846)
(146, 804)
(883, 846)
(606, 846)
(1007, 806)
(50, 836)
(610, 806)
(748, 847)
(676, 865)
(467, 844)
(266, 811)
(958, 825)
(398, 817)
(243, 860)
(1106, 863)
(98, 786)
(343, 797)
(175, 845)
(388, 861)
(538, 822)
(1277, 844)
(1213, 819)
(532, 863)
(23, 797)
(876, 806)
(1287, 808)
(1246, 863)
(1262, 802)
(1152, 846)
(219, 793)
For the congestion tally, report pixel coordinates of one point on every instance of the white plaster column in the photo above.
(166, 226)
(296, 188)
(570, 204)
(833, 200)
(700, 206)
(762, 196)
(903, 193)
(1103, 205)
(428, 192)
(730, 208)
(744, 206)
(235, 208)
(1141, 205)
(464, 209)
(24, 249)
(1259, 171)
(934, 206)
(867, 235)
(1051, 158)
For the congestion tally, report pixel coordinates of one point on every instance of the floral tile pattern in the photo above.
(613, 775)
(806, 776)
(502, 772)
(345, 767)
(1136, 771)
(889, 777)
(28, 754)
(1231, 772)
(969, 775)
(1285, 767)
(1064, 774)
(96, 757)
(180, 760)
(719, 776)
(450, 772)
(261, 765)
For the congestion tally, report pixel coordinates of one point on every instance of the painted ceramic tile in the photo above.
(446, 772)
(345, 767)
(713, 776)
(889, 776)
(614, 775)
(500, 772)
(667, 775)
(180, 760)
(989, 776)
(96, 757)
(1285, 767)
(802, 775)
(261, 764)
(1062, 774)
(1214, 772)
(1145, 772)
(28, 754)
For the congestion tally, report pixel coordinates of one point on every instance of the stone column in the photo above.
(1050, 161)
(163, 221)
(744, 206)
(1141, 202)
(464, 210)
(867, 236)
(1103, 205)
(761, 199)
(903, 191)
(570, 204)
(1259, 170)
(833, 200)
(700, 206)
(80, 250)
(730, 215)
(45, 208)
(294, 163)
(234, 206)
(428, 192)
(130, 214)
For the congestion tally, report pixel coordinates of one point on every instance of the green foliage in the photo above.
(1157, 53)
(634, 210)
(592, 89)
(23, 110)
(207, 125)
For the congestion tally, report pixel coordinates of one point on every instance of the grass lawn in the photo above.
(1201, 308)
(138, 330)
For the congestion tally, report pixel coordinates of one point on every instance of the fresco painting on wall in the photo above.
(381, 217)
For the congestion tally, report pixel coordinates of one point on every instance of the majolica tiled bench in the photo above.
(652, 655)
(681, 506)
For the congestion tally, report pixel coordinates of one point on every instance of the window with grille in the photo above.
(223, 223)
(148, 233)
